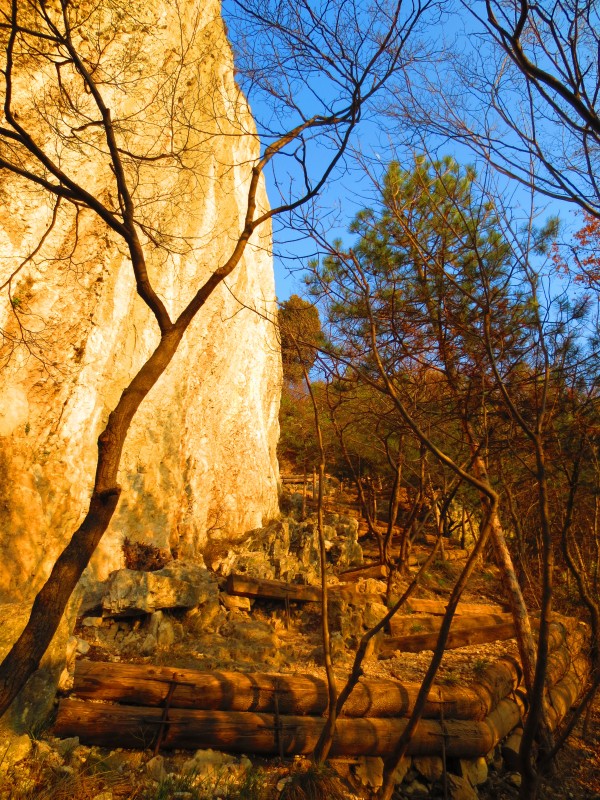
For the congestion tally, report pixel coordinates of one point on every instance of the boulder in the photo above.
(475, 770)
(369, 771)
(416, 789)
(510, 750)
(31, 707)
(178, 585)
(13, 749)
(288, 550)
(155, 768)
(211, 766)
(460, 788)
(402, 769)
(346, 551)
(430, 767)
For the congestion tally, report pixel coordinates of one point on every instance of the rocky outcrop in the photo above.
(288, 550)
(200, 455)
(35, 701)
(178, 585)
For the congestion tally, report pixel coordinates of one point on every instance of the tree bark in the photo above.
(47, 610)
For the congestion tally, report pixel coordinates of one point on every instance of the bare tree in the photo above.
(521, 90)
(471, 299)
(84, 60)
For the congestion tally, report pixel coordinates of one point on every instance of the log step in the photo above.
(456, 639)
(136, 684)
(464, 637)
(376, 571)
(411, 624)
(265, 734)
(268, 734)
(438, 607)
(243, 586)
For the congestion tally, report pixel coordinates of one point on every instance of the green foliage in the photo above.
(479, 666)
(428, 264)
(297, 446)
(300, 331)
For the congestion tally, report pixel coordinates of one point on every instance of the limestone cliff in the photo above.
(200, 455)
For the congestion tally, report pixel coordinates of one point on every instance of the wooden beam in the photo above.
(300, 694)
(466, 636)
(137, 684)
(456, 638)
(438, 607)
(265, 734)
(410, 624)
(376, 571)
(244, 586)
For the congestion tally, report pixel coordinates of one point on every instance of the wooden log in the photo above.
(456, 639)
(499, 680)
(376, 571)
(438, 607)
(464, 635)
(563, 654)
(265, 734)
(134, 684)
(291, 479)
(450, 555)
(409, 624)
(243, 586)
(507, 715)
(504, 676)
(563, 695)
(560, 631)
(257, 733)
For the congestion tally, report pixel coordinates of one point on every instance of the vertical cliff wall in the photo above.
(200, 459)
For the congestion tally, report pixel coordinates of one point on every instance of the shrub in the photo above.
(144, 557)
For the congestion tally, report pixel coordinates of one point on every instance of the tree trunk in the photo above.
(49, 605)
(394, 505)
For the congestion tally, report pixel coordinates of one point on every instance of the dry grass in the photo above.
(316, 782)
(144, 557)
(42, 782)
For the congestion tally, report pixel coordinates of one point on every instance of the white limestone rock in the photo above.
(130, 592)
(461, 788)
(14, 749)
(369, 771)
(475, 770)
(430, 767)
(200, 453)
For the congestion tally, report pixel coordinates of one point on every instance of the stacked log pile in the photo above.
(269, 714)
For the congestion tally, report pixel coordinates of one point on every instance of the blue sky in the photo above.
(375, 139)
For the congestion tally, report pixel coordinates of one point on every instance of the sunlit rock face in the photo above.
(199, 461)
